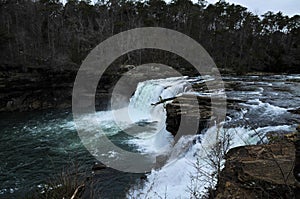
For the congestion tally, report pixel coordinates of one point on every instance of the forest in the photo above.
(48, 33)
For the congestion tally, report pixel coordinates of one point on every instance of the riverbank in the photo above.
(47, 87)
(261, 171)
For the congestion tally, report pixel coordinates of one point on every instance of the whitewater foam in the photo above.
(267, 108)
(189, 167)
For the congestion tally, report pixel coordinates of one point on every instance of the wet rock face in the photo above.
(261, 171)
(192, 112)
(43, 87)
(35, 88)
(188, 112)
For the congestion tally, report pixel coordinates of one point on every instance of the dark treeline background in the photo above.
(46, 32)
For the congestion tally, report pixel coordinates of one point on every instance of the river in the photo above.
(38, 145)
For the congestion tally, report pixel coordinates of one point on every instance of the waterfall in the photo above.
(267, 102)
(141, 108)
(151, 92)
(178, 175)
(153, 138)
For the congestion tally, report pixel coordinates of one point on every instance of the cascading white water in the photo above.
(175, 177)
(151, 92)
(180, 176)
(141, 108)
(152, 139)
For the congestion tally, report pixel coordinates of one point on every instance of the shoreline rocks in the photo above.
(260, 171)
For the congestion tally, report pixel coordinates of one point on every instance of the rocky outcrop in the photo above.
(196, 110)
(34, 88)
(261, 171)
(44, 87)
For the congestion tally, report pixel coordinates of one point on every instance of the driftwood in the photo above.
(76, 191)
(163, 100)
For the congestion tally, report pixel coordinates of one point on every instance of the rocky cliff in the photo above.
(34, 88)
(261, 171)
(196, 110)
(45, 86)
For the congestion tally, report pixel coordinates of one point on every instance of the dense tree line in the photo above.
(46, 32)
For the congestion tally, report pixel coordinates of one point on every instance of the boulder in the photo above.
(261, 171)
(190, 111)
(187, 111)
